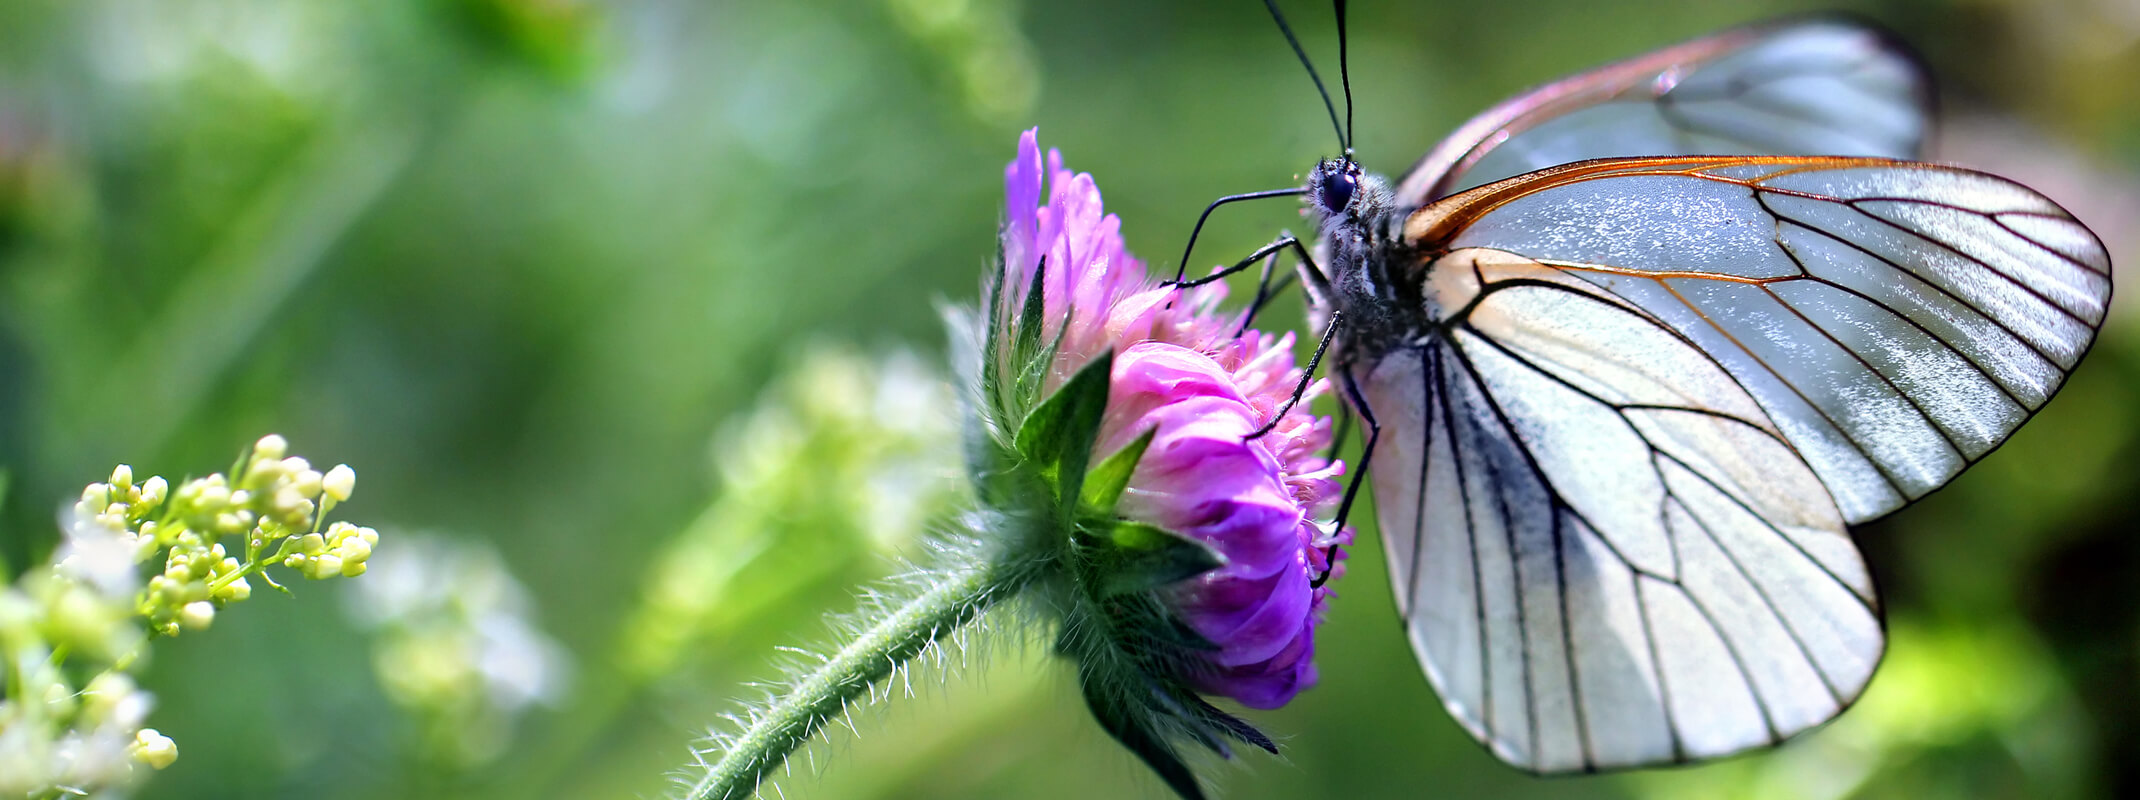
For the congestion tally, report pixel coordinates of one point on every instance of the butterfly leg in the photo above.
(1282, 243)
(1265, 291)
(1359, 470)
(1182, 271)
(1307, 376)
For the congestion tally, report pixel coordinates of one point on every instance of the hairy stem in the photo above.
(901, 631)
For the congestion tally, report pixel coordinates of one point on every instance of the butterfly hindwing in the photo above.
(1823, 85)
(1604, 554)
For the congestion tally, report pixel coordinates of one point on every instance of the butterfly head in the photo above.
(1352, 211)
(1345, 201)
(1334, 185)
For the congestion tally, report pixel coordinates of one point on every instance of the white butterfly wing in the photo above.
(1896, 320)
(1824, 86)
(1616, 478)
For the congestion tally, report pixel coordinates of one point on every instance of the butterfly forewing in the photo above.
(1825, 86)
(1649, 396)
(1891, 317)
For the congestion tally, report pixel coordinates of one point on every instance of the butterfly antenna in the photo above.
(1344, 141)
(1344, 76)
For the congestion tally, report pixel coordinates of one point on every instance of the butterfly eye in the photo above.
(1337, 187)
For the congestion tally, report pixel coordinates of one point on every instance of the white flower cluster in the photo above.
(844, 460)
(71, 719)
(57, 734)
(455, 645)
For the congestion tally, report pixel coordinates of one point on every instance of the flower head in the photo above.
(1095, 294)
(1182, 376)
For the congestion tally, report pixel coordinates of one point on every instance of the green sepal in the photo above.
(991, 356)
(1056, 438)
(1121, 718)
(1211, 719)
(1133, 557)
(1026, 355)
(1105, 483)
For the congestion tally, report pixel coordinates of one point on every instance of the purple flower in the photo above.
(1182, 374)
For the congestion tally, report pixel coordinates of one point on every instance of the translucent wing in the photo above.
(1621, 460)
(1896, 320)
(1819, 87)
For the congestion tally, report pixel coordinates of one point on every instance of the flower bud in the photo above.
(263, 471)
(153, 748)
(122, 477)
(271, 446)
(212, 497)
(339, 482)
(196, 615)
(234, 591)
(154, 489)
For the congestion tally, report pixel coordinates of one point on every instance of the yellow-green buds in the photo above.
(153, 748)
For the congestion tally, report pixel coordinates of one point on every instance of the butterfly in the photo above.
(1634, 350)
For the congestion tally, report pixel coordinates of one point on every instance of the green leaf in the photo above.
(1057, 437)
(1105, 483)
(1136, 557)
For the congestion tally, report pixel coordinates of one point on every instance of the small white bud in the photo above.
(234, 591)
(294, 465)
(104, 694)
(263, 470)
(154, 489)
(353, 550)
(154, 749)
(327, 565)
(196, 615)
(213, 497)
(271, 446)
(308, 483)
(339, 482)
(288, 500)
(122, 477)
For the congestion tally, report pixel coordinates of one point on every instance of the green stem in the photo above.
(905, 630)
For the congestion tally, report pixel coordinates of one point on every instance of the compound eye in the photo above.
(1337, 191)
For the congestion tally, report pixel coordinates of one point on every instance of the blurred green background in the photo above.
(532, 266)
